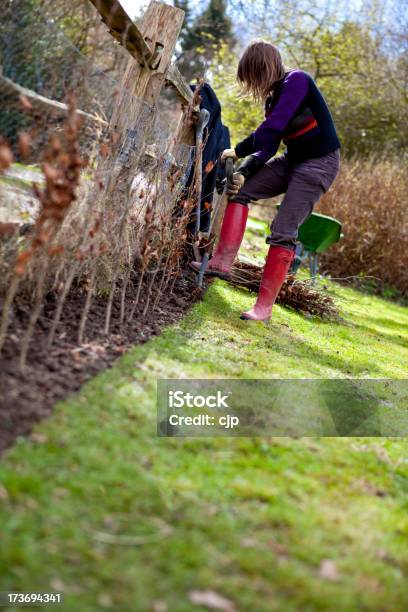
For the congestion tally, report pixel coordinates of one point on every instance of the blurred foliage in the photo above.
(51, 48)
(33, 55)
(354, 73)
(360, 66)
(370, 198)
(202, 37)
(184, 5)
(239, 113)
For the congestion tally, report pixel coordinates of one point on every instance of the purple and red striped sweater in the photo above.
(296, 114)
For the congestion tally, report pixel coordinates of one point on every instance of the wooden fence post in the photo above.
(160, 27)
(150, 42)
(134, 113)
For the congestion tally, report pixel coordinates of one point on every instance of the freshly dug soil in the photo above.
(51, 375)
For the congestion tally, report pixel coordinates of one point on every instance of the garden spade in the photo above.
(216, 220)
(202, 121)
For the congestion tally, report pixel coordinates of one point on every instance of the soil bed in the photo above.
(51, 375)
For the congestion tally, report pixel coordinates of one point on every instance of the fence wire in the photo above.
(124, 233)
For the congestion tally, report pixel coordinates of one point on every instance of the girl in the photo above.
(295, 113)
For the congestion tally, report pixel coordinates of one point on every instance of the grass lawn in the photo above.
(96, 505)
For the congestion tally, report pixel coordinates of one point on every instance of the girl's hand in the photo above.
(228, 153)
(237, 183)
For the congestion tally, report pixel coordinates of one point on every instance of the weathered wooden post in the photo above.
(151, 44)
(154, 39)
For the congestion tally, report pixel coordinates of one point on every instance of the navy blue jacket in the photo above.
(297, 114)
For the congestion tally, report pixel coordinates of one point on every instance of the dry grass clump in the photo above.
(299, 295)
(370, 198)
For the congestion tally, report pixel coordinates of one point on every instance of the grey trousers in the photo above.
(303, 184)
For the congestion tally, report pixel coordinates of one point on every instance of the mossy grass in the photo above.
(97, 505)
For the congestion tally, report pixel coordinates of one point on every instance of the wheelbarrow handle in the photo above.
(203, 118)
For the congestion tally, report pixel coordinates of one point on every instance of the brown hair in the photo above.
(259, 68)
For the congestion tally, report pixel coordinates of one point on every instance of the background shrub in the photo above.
(370, 198)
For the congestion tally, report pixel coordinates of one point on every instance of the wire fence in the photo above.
(39, 62)
(81, 207)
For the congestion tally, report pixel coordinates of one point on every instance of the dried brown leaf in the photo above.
(104, 150)
(6, 156)
(24, 144)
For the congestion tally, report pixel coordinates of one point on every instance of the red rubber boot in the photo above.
(232, 232)
(276, 267)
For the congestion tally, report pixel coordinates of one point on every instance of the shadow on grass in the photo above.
(393, 338)
(302, 349)
(218, 308)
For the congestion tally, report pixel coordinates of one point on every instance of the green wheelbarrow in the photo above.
(315, 236)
